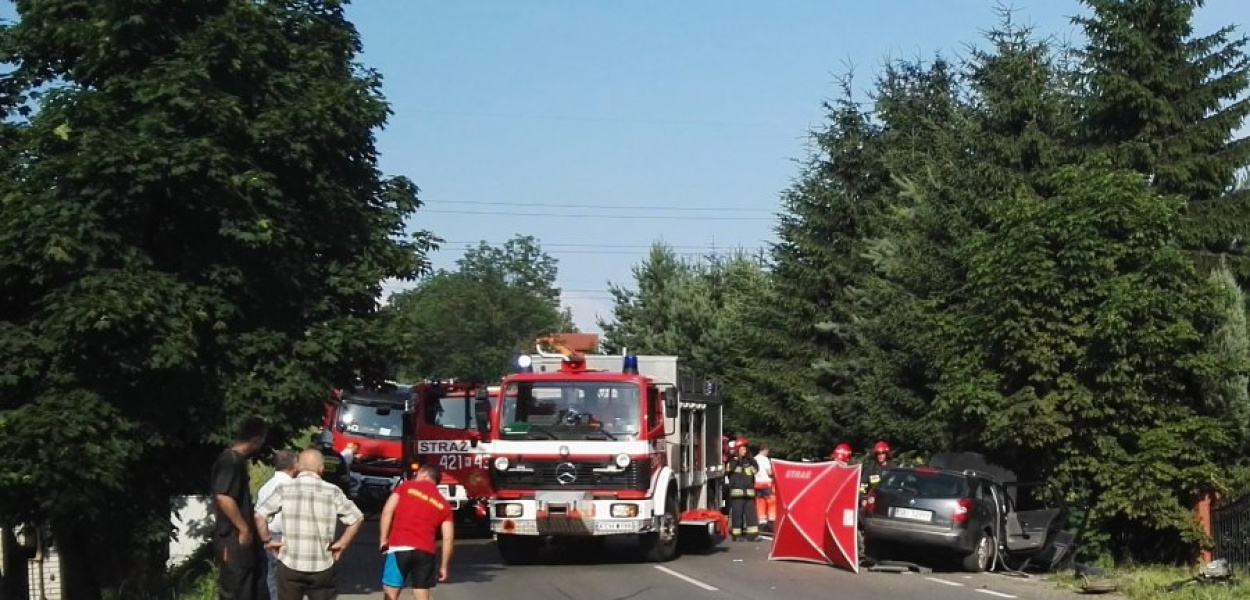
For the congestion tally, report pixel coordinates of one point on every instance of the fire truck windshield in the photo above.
(364, 420)
(566, 410)
(453, 412)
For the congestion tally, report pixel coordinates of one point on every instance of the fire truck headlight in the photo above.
(624, 511)
(501, 463)
(622, 460)
(508, 511)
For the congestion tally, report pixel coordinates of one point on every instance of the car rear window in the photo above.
(924, 484)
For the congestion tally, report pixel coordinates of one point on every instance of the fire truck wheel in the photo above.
(661, 546)
(518, 549)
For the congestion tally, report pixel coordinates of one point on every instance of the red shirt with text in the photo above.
(421, 510)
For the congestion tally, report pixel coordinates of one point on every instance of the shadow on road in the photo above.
(616, 550)
(936, 561)
(360, 571)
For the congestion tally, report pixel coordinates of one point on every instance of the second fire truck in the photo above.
(443, 429)
(586, 446)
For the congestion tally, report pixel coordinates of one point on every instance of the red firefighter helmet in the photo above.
(881, 447)
(842, 452)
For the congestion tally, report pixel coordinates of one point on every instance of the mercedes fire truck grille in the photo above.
(573, 475)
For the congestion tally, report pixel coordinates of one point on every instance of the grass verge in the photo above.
(1151, 583)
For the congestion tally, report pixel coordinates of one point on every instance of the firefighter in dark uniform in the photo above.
(742, 469)
(872, 471)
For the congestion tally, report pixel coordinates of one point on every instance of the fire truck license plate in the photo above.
(614, 526)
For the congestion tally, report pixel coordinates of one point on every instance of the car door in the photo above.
(1028, 530)
(988, 513)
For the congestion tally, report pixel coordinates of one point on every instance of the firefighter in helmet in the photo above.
(742, 469)
(874, 469)
(842, 455)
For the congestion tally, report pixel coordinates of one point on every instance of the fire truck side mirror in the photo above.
(670, 401)
(481, 414)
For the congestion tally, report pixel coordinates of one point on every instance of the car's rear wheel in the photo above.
(982, 557)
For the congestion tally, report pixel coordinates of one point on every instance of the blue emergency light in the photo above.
(524, 363)
(631, 365)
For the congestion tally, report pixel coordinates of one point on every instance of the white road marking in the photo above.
(687, 579)
(945, 582)
(993, 593)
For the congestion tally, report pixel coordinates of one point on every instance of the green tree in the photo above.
(1088, 343)
(1006, 121)
(195, 229)
(921, 130)
(520, 262)
(1022, 300)
(467, 323)
(692, 309)
(669, 313)
(1167, 104)
(1230, 341)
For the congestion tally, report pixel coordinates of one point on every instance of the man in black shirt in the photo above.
(234, 533)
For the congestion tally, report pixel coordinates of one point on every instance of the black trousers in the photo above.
(742, 516)
(297, 585)
(241, 572)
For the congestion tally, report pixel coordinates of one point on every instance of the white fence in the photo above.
(192, 519)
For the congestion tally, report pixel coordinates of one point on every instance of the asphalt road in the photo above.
(734, 570)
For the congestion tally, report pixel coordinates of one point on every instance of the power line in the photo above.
(588, 216)
(709, 251)
(631, 207)
(649, 121)
(711, 245)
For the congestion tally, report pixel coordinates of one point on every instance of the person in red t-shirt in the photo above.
(412, 515)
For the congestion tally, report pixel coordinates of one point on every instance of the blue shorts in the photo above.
(412, 566)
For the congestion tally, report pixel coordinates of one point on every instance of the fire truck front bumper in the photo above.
(572, 516)
(455, 494)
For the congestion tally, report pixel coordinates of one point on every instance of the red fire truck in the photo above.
(367, 426)
(446, 428)
(589, 446)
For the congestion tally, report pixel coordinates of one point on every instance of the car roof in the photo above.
(951, 472)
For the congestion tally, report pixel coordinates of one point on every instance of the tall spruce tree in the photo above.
(923, 127)
(798, 330)
(1166, 104)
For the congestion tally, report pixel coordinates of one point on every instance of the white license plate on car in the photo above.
(917, 515)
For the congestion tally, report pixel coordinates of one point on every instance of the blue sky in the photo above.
(614, 124)
(615, 108)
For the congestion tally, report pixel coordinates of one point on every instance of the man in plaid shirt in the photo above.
(311, 509)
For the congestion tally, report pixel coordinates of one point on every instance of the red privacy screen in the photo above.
(817, 513)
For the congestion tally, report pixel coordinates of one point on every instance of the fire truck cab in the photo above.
(589, 446)
(445, 429)
(367, 427)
